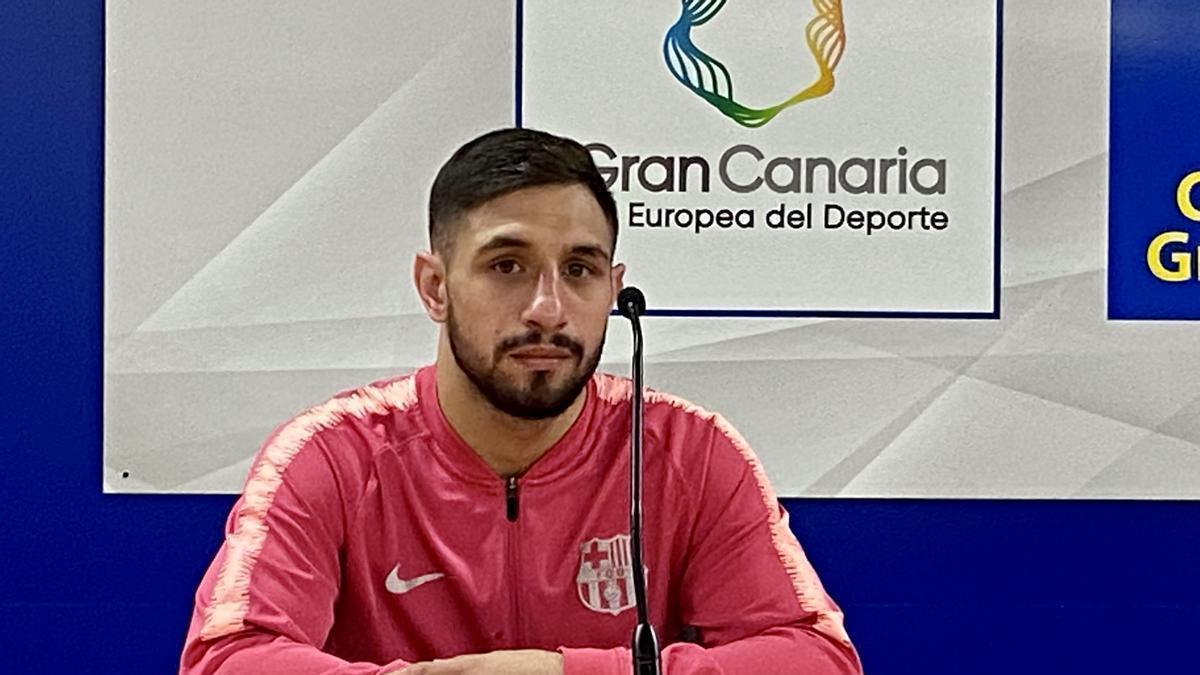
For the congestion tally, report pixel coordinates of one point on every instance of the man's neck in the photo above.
(506, 443)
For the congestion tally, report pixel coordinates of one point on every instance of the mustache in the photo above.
(534, 337)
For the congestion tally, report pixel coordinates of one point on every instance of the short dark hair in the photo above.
(504, 161)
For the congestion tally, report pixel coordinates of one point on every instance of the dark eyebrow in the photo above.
(590, 251)
(496, 243)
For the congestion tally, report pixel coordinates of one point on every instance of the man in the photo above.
(472, 518)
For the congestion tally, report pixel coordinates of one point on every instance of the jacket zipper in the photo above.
(512, 510)
(512, 499)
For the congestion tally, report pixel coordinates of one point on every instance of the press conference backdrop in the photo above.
(876, 234)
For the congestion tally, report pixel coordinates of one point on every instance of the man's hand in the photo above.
(521, 662)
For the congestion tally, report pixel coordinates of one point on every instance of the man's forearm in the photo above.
(261, 653)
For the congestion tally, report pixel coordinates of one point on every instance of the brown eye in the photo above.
(506, 266)
(578, 270)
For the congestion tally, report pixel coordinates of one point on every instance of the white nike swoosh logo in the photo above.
(400, 586)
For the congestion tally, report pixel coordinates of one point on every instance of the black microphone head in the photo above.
(630, 302)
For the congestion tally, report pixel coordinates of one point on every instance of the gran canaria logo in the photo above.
(709, 79)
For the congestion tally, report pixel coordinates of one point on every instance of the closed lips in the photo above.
(540, 353)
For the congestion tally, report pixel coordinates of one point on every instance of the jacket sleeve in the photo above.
(265, 604)
(747, 586)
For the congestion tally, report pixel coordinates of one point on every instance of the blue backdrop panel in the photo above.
(1154, 142)
(92, 583)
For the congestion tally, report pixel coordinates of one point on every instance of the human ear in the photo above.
(618, 280)
(429, 278)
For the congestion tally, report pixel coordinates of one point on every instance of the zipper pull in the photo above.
(511, 499)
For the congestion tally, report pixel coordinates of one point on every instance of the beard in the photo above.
(539, 398)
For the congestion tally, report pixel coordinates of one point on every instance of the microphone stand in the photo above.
(646, 658)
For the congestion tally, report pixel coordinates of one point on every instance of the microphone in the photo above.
(631, 303)
(646, 660)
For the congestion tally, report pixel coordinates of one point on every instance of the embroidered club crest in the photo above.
(605, 579)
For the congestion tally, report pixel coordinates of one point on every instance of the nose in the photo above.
(545, 310)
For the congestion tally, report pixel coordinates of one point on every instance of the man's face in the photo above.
(530, 283)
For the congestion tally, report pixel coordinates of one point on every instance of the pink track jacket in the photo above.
(370, 536)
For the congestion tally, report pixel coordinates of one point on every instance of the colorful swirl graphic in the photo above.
(710, 79)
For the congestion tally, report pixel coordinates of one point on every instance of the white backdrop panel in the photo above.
(267, 166)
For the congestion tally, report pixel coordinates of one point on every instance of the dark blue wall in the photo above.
(95, 583)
